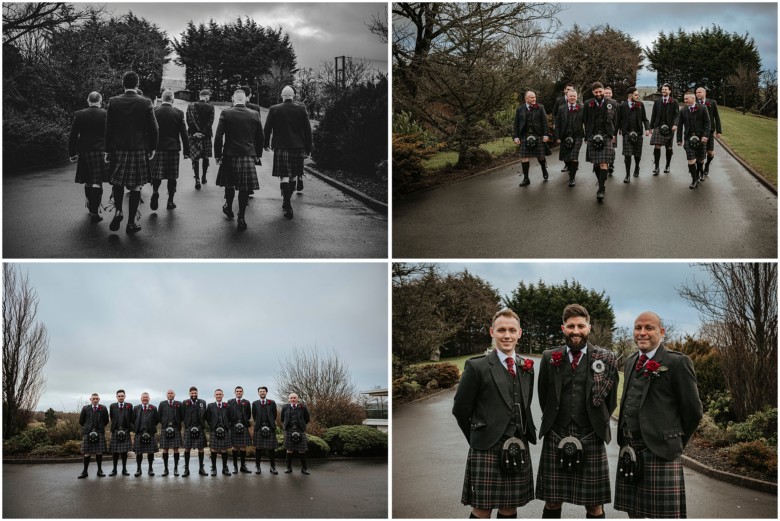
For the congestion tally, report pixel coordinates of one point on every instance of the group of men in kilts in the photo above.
(228, 424)
(659, 411)
(131, 143)
(599, 121)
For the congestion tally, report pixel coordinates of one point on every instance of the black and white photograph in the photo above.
(195, 390)
(595, 130)
(195, 130)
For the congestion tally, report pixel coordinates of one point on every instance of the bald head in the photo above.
(530, 97)
(648, 331)
(239, 97)
(167, 96)
(288, 93)
(94, 98)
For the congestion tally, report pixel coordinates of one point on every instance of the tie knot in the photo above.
(510, 362)
(641, 362)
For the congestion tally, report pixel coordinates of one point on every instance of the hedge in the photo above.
(356, 440)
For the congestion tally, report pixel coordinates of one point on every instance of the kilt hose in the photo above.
(603, 155)
(538, 151)
(92, 168)
(657, 139)
(698, 153)
(241, 440)
(238, 172)
(200, 147)
(485, 486)
(269, 443)
(195, 443)
(588, 485)
(570, 154)
(144, 448)
(301, 446)
(165, 165)
(98, 447)
(130, 168)
(115, 446)
(661, 492)
(288, 162)
(170, 443)
(632, 149)
(220, 443)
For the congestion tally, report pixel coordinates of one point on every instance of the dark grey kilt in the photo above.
(200, 147)
(301, 446)
(288, 162)
(99, 447)
(657, 139)
(144, 448)
(269, 443)
(116, 446)
(241, 440)
(238, 172)
(632, 149)
(661, 493)
(220, 444)
(170, 443)
(569, 154)
(587, 486)
(485, 486)
(538, 152)
(605, 155)
(130, 168)
(165, 165)
(711, 143)
(195, 443)
(92, 168)
(694, 153)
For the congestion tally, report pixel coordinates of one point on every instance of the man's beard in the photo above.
(583, 339)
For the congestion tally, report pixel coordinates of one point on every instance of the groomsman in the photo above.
(93, 420)
(632, 123)
(609, 98)
(145, 426)
(194, 430)
(663, 121)
(569, 132)
(171, 415)
(200, 119)
(295, 416)
(530, 131)
(121, 415)
(173, 133)
(219, 419)
(241, 414)
(559, 102)
(659, 412)
(264, 413)
(599, 133)
(131, 141)
(715, 128)
(248, 90)
(87, 145)
(693, 134)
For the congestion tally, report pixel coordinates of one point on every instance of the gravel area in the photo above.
(699, 450)
(367, 182)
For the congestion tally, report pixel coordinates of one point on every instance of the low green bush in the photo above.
(32, 139)
(719, 407)
(317, 447)
(753, 455)
(713, 434)
(356, 440)
(760, 426)
(47, 451)
(445, 374)
(71, 448)
(65, 431)
(26, 441)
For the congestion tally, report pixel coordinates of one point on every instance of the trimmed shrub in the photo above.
(50, 451)
(317, 447)
(712, 434)
(719, 407)
(760, 426)
(753, 455)
(31, 140)
(409, 151)
(446, 374)
(356, 440)
(71, 448)
(26, 441)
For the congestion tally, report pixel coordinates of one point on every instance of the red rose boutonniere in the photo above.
(556, 358)
(707, 103)
(528, 366)
(592, 104)
(653, 369)
(635, 107)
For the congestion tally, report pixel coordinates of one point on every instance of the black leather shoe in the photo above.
(693, 185)
(83, 475)
(176, 470)
(95, 218)
(627, 179)
(288, 470)
(305, 471)
(115, 222)
(274, 471)
(100, 474)
(165, 473)
(151, 472)
(242, 227)
(186, 472)
(171, 205)
(299, 185)
(565, 169)
(656, 171)
(258, 471)
(235, 469)
(289, 213)
(132, 228)
(197, 184)
(213, 471)
(245, 470)
(155, 200)
(137, 473)
(125, 472)
(572, 183)
(545, 176)
(226, 472)
(600, 195)
(636, 173)
(202, 471)
(113, 473)
(203, 180)
(666, 170)
(228, 211)
(525, 182)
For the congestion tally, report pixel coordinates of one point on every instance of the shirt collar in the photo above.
(651, 354)
(502, 356)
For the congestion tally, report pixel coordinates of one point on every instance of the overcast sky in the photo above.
(631, 287)
(644, 21)
(155, 326)
(318, 31)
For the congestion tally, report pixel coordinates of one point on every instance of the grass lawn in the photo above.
(753, 138)
(497, 148)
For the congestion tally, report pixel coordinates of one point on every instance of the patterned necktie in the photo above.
(510, 365)
(144, 408)
(571, 108)
(170, 404)
(94, 409)
(640, 363)
(575, 355)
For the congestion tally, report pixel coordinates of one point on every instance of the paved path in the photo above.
(335, 489)
(429, 459)
(731, 215)
(44, 217)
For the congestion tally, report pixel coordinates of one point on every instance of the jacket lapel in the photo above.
(589, 372)
(497, 370)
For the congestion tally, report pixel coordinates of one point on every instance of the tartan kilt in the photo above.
(269, 443)
(115, 446)
(589, 485)
(569, 154)
(241, 440)
(92, 168)
(711, 142)
(238, 172)
(485, 486)
(201, 147)
(301, 446)
(288, 162)
(130, 168)
(526, 151)
(194, 443)
(657, 139)
(632, 149)
(220, 444)
(144, 448)
(605, 155)
(99, 447)
(694, 153)
(170, 443)
(165, 165)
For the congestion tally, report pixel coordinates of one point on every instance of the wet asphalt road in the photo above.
(335, 489)
(730, 215)
(44, 217)
(429, 460)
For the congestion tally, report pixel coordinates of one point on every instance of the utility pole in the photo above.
(341, 73)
